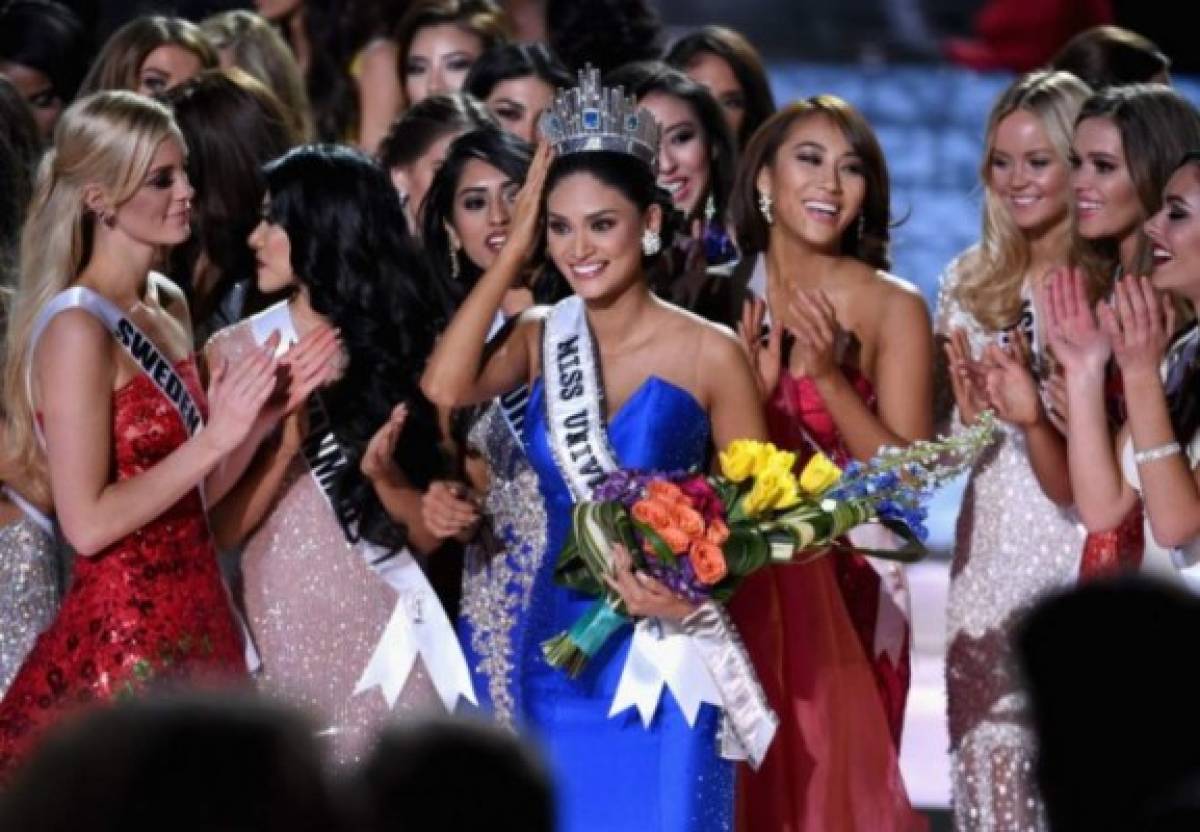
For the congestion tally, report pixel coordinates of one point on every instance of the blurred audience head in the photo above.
(696, 161)
(440, 40)
(189, 765)
(603, 33)
(417, 142)
(21, 145)
(517, 81)
(786, 162)
(247, 41)
(730, 67)
(454, 776)
(1109, 56)
(1112, 695)
(150, 55)
(44, 51)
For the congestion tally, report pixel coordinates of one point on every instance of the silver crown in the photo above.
(590, 117)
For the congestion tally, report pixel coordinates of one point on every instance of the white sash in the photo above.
(418, 624)
(695, 667)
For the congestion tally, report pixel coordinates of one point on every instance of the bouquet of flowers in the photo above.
(702, 535)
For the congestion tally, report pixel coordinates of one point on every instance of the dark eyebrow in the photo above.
(687, 122)
(510, 101)
(596, 215)
(1102, 154)
(461, 53)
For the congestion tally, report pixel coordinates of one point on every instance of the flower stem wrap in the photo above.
(571, 650)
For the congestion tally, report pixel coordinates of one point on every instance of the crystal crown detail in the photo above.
(590, 117)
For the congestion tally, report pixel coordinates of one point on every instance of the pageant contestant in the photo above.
(346, 624)
(104, 418)
(844, 371)
(517, 81)
(1156, 450)
(29, 578)
(987, 297)
(468, 217)
(642, 385)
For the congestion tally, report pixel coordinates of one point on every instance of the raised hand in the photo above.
(237, 395)
(1071, 330)
(644, 596)
(968, 378)
(378, 460)
(1057, 401)
(765, 358)
(816, 331)
(526, 215)
(1139, 324)
(448, 509)
(1011, 389)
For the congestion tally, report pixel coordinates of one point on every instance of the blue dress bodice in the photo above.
(613, 773)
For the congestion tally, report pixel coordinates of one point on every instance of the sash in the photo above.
(418, 624)
(700, 660)
(30, 510)
(140, 348)
(157, 368)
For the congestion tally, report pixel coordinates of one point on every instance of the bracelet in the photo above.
(1161, 452)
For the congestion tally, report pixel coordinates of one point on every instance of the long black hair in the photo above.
(504, 62)
(635, 180)
(350, 249)
(501, 150)
(1183, 395)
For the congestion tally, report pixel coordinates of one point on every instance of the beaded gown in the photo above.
(612, 773)
(315, 609)
(499, 570)
(148, 609)
(30, 585)
(1012, 546)
(810, 630)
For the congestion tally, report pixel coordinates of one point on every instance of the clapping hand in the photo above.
(766, 358)
(237, 395)
(1009, 384)
(1139, 323)
(1079, 344)
(968, 378)
(378, 460)
(817, 333)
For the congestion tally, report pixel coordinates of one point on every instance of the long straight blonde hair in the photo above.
(109, 140)
(992, 276)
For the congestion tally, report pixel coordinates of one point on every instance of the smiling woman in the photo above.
(150, 55)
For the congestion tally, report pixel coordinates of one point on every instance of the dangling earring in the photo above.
(764, 207)
(651, 242)
(710, 208)
(109, 219)
(452, 244)
(862, 225)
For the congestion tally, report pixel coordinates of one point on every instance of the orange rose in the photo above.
(675, 539)
(653, 513)
(717, 532)
(709, 562)
(666, 492)
(687, 520)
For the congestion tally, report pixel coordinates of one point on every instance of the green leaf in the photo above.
(746, 550)
(661, 549)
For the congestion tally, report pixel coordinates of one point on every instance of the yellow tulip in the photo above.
(773, 490)
(740, 460)
(780, 461)
(819, 475)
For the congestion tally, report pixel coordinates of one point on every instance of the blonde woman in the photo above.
(1013, 542)
(103, 420)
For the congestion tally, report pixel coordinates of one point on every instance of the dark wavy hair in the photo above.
(1109, 56)
(515, 60)
(481, 18)
(427, 121)
(647, 77)
(48, 37)
(233, 125)
(499, 149)
(351, 250)
(753, 233)
(21, 147)
(604, 33)
(733, 48)
(1183, 400)
(636, 182)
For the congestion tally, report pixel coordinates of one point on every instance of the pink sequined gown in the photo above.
(810, 630)
(315, 609)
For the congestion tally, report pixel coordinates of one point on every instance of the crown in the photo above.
(590, 117)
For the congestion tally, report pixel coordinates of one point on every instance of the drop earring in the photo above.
(452, 244)
(651, 242)
(862, 225)
(765, 205)
(710, 208)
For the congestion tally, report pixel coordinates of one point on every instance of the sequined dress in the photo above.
(1012, 546)
(148, 609)
(315, 609)
(612, 773)
(30, 585)
(499, 571)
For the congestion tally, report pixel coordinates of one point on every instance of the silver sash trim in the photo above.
(701, 660)
(418, 625)
(29, 510)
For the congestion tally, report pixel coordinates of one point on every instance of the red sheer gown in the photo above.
(811, 632)
(148, 610)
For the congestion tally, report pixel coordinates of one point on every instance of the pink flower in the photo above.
(704, 497)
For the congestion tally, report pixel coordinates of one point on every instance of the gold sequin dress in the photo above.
(30, 585)
(316, 610)
(1012, 545)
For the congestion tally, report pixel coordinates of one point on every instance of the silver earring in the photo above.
(710, 208)
(651, 242)
(765, 204)
(454, 267)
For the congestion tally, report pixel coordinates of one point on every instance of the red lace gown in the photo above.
(148, 610)
(810, 630)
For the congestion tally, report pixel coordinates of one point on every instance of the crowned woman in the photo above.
(618, 379)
